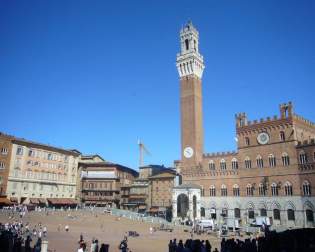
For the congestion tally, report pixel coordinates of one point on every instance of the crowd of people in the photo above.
(16, 236)
(296, 240)
(190, 245)
(94, 246)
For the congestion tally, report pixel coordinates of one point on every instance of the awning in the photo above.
(154, 210)
(14, 200)
(5, 201)
(42, 201)
(34, 201)
(62, 201)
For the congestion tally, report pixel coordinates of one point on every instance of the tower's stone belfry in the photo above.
(190, 67)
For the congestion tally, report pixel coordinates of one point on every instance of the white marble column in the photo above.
(174, 208)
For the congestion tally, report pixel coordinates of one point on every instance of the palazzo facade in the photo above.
(272, 172)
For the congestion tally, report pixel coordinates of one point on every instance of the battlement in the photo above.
(263, 120)
(302, 119)
(286, 111)
(306, 142)
(220, 154)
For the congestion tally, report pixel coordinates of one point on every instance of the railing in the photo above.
(100, 198)
(137, 216)
(100, 189)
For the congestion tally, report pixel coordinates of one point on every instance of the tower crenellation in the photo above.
(241, 119)
(286, 110)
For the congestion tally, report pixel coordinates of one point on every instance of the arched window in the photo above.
(224, 212)
(282, 136)
(202, 192)
(211, 165)
(259, 161)
(251, 213)
(213, 213)
(274, 189)
(223, 190)
(272, 160)
(291, 215)
(262, 189)
(247, 142)
(237, 213)
(212, 190)
(306, 188)
(236, 190)
(285, 159)
(223, 164)
(202, 212)
(248, 163)
(309, 215)
(288, 189)
(187, 44)
(234, 164)
(249, 190)
(276, 214)
(263, 212)
(303, 157)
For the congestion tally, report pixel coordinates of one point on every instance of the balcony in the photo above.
(100, 198)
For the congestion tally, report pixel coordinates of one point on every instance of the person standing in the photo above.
(123, 246)
(151, 230)
(44, 231)
(94, 246)
(208, 246)
(28, 244)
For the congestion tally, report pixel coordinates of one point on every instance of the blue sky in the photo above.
(98, 75)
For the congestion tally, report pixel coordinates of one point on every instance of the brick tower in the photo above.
(190, 68)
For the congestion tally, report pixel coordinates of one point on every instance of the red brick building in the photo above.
(272, 172)
(101, 182)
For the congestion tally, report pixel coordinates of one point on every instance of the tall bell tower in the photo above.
(190, 67)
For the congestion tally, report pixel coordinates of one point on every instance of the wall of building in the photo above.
(284, 135)
(296, 203)
(41, 172)
(161, 191)
(5, 158)
(101, 183)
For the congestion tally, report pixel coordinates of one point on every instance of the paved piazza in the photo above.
(104, 227)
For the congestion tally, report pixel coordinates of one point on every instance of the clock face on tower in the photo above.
(188, 152)
(263, 138)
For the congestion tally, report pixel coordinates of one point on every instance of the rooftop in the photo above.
(33, 144)
(110, 165)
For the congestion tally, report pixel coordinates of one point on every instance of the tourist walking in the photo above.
(123, 246)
